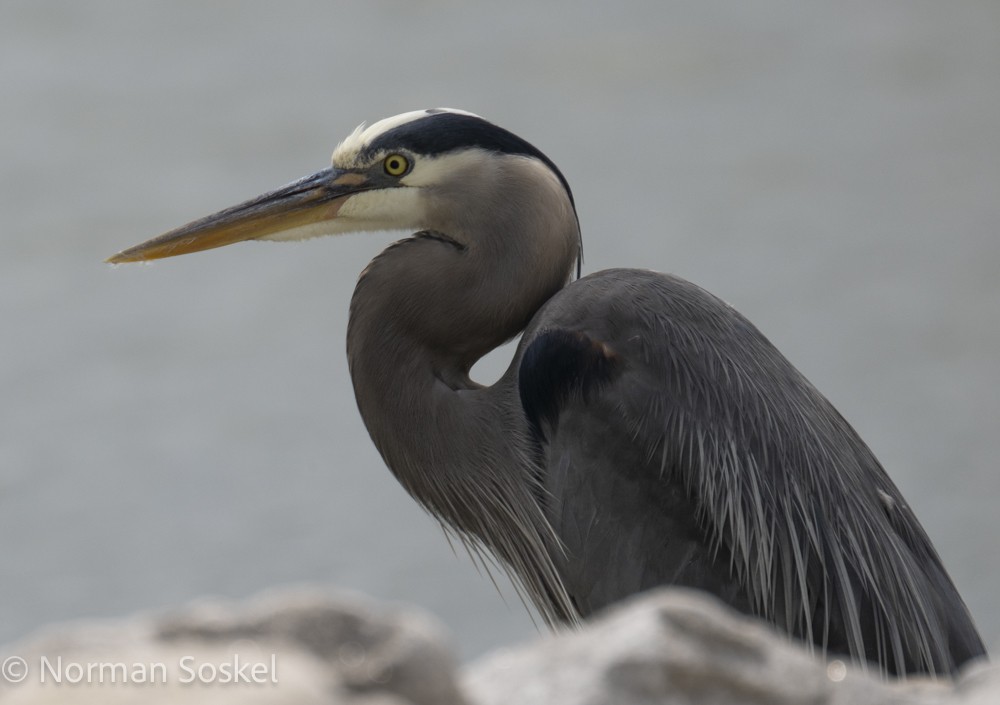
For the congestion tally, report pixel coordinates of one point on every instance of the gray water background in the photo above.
(188, 428)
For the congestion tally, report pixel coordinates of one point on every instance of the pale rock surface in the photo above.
(313, 647)
(328, 649)
(685, 648)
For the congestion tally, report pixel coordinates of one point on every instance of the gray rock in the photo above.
(685, 648)
(311, 647)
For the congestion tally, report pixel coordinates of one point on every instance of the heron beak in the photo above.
(303, 206)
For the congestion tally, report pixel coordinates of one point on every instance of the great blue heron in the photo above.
(645, 432)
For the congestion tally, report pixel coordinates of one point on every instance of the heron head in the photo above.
(440, 169)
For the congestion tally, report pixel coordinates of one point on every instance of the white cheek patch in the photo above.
(428, 171)
(385, 209)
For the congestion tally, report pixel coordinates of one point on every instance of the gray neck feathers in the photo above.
(423, 312)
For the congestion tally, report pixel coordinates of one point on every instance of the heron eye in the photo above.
(396, 165)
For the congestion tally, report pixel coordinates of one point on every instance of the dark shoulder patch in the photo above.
(556, 365)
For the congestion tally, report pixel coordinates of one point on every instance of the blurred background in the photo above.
(189, 428)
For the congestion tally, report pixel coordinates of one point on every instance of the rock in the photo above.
(675, 646)
(317, 648)
(301, 647)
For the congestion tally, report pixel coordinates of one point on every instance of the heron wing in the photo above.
(680, 447)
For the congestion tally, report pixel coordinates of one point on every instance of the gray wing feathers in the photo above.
(814, 530)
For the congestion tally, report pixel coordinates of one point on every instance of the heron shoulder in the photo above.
(774, 472)
(560, 363)
(654, 319)
(606, 323)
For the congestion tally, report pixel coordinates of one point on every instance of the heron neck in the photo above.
(410, 347)
(461, 449)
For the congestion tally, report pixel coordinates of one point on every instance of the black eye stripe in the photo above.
(441, 132)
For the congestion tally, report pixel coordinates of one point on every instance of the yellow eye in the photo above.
(396, 165)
